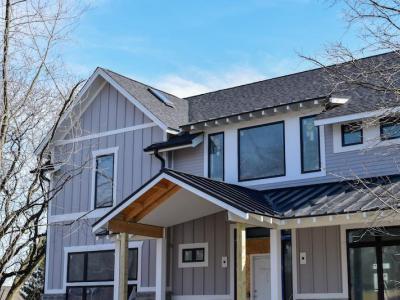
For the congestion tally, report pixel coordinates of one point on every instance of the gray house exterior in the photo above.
(251, 192)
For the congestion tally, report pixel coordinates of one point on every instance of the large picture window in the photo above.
(262, 151)
(310, 152)
(216, 156)
(104, 181)
(374, 265)
(98, 266)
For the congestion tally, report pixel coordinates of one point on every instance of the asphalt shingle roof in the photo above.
(172, 117)
(338, 80)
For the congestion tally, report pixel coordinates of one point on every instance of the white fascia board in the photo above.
(187, 187)
(356, 116)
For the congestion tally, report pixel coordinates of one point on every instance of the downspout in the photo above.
(156, 154)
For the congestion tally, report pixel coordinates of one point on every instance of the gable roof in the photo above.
(172, 116)
(308, 85)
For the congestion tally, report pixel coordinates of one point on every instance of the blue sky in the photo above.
(194, 46)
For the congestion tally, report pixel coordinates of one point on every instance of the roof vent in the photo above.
(160, 96)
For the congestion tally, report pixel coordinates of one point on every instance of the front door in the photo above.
(374, 264)
(261, 277)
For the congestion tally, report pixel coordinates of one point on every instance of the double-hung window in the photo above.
(104, 181)
(310, 145)
(390, 128)
(262, 151)
(216, 156)
(352, 134)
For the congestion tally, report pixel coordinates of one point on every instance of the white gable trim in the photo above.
(132, 99)
(188, 187)
(78, 101)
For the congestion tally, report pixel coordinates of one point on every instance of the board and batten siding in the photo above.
(108, 111)
(322, 272)
(134, 167)
(80, 234)
(211, 280)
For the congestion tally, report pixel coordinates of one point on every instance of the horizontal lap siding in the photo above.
(190, 160)
(322, 272)
(364, 163)
(211, 280)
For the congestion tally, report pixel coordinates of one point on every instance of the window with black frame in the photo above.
(310, 145)
(104, 181)
(390, 128)
(96, 266)
(374, 264)
(216, 156)
(262, 151)
(193, 255)
(352, 134)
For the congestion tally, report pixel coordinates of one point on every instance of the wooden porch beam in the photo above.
(120, 226)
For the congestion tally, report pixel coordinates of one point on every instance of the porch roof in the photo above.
(343, 197)
(173, 197)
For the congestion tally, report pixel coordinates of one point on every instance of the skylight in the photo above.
(160, 96)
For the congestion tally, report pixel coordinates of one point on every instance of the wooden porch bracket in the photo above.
(119, 226)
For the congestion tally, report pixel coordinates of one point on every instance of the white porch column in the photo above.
(161, 268)
(241, 261)
(276, 264)
(121, 254)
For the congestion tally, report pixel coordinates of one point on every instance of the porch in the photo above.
(173, 206)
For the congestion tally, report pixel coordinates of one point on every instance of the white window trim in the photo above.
(291, 120)
(201, 264)
(101, 247)
(95, 154)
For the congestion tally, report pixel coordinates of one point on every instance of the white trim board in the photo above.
(105, 133)
(201, 297)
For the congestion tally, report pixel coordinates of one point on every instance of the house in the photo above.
(277, 189)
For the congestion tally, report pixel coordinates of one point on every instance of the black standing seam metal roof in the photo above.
(175, 141)
(322, 199)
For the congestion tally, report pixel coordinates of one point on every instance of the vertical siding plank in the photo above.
(187, 288)
(319, 260)
(209, 276)
(220, 250)
(305, 278)
(198, 273)
(177, 273)
(334, 263)
(145, 263)
(152, 263)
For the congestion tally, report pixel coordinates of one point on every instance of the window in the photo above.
(216, 156)
(91, 266)
(390, 128)
(374, 265)
(193, 255)
(104, 181)
(98, 266)
(352, 134)
(262, 151)
(310, 152)
(95, 292)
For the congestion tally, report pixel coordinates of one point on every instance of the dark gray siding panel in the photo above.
(211, 280)
(190, 160)
(322, 271)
